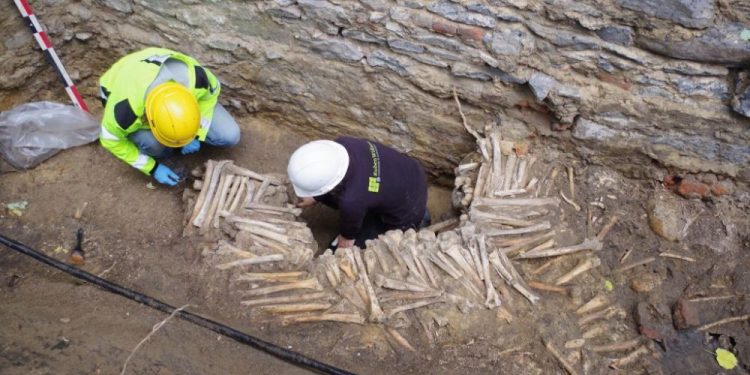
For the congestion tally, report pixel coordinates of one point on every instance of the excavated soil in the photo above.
(54, 324)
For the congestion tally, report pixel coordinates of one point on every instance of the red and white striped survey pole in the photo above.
(49, 52)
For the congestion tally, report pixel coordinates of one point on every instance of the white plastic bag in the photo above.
(33, 132)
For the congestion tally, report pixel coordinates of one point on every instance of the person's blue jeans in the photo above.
(224, 132)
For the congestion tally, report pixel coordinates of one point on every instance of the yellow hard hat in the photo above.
(172, 114)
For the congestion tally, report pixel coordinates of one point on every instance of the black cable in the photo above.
(277, 351)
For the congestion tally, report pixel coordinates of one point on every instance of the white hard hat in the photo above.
(317, 167)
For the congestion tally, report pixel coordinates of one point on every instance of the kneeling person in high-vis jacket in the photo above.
(156, 101)
(375, 187)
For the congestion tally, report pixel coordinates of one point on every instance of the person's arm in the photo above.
(208, 88)
(114, 139)
(352, 216)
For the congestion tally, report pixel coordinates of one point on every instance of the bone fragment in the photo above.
(619, 363)
(582, 267)
(507, 272)
(250, 194)
(419, 266)
(676, 256)
(431, 273)
(477, 215)
(238, 197)
(394, 284)
(444, 265)
(411, 265)
(401, 340)
(607, 313)
(311, 283)
(255, 176)
(594, 331)
(341, 318)
(474, 258)
(510, 167)
(380, 254)
(482, 176)
(530, 229)
(263, 232)
(272, 276)
(497, 161)
(616, 347)
(443, 225)
(268, 207)
(346, 265)
(587, 244)
(571, 183)
(203, 195)
(547, 287)
(279, 248)
(371, 260)
(606, 228)
(261, 191)
(519, 244)
(544, 245)
(285, 299)
(251, 222)
(376, 313)
(570, 201)
(218, 206)
(543, 267)
(414, 305)
(251, 261)
(198, 185)
(527, 172)
(466, 167)
(392, 244)
(226, 247)
(204, 213)
(294, 308)
(593, 304)
(463, 118)
(717, 323)
(350, 293)
(406, 295)
(233, 188)
(492, 300)
(455, 253)
(483, 149)
(560, 358)
(634, 265)
(575, 344)
(531, 202)
(520, 174)
(507, 193)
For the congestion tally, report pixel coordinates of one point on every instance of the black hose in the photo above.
(277, 351)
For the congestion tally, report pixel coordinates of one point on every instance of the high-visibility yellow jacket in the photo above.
(123, 88)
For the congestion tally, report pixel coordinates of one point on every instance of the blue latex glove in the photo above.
(191, 147)
(165, 175)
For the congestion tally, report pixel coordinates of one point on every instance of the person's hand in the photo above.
(165, 175)
(306, 202)
(191, 147)
(344, 242)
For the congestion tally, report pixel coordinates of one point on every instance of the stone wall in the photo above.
(621, 82)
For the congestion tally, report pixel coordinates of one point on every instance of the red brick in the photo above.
(691, 188)
(470, 33)
(444, 27)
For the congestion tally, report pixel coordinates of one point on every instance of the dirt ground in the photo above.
(53, 324)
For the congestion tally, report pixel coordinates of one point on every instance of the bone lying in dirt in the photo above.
(582, 267)
(263, 232)
(311, 283)
(331, 317)
(399, 339)
(251, 261)
(407, 295)
(533, 202)
(507, 272)
(593, 304)
(376, 313)
(394, 284)
(619, 363)
(443, 225)
(261, 191)
(439, 260)
(285, 299)
(239, 171)
(200, 218)
(477, 215)
(272, 276)
(587, 244)
(227, 248)
(268, 207)
(294, 308)
(258, 223)
(530, 229)
(548, 288)
(607, 313)
(412, 306)
(492, 300)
